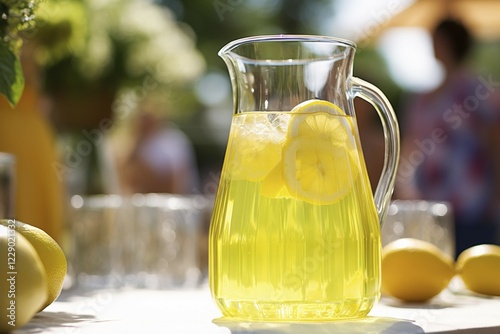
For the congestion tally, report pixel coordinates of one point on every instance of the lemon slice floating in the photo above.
(315, 105)
(273, 185)
(320, 161)
(256, 145)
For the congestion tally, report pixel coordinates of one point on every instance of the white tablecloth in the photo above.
(193, 311)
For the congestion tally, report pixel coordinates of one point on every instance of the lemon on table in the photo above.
(415, 270)
(24, 283)
(479, 268)
(256, 144)
(51, 256)
(319, 156)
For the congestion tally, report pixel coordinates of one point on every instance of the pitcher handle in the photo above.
(379, 101)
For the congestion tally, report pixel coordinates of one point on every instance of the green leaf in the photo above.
(11, 75)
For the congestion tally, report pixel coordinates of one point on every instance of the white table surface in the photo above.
(192, 311)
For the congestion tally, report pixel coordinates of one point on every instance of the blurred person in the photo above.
(161, 159)
(26, 133)
(450, 141)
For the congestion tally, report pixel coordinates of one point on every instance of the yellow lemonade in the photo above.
(294, 233)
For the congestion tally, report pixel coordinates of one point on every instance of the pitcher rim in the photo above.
(284, 37)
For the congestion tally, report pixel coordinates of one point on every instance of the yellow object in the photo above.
(414, 270)
(315, 143)
(39, 189)
(296, 241)
(24, 284)
(274, 185)
(314, 105)
(320, 141)
(258, 146)
(51, 256)
(479, 268)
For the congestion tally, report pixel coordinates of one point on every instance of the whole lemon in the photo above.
(24, 284)
(415, 270)
(51, 255)
(479, 268)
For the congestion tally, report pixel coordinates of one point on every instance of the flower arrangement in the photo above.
(16, 17)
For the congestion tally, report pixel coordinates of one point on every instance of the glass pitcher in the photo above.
(295, 232)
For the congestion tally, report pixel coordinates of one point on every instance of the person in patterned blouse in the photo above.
(450, 141)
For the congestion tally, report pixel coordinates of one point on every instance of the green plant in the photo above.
(16, 16)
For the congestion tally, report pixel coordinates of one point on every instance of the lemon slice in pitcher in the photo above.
(273, 185)
(316, 105)
(319, 156)
(256, 144)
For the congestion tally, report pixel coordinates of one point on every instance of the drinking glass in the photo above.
(430, 221)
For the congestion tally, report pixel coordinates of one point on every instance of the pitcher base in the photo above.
(296, 311)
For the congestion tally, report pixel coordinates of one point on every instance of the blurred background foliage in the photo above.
(100, 58)
(92, 51)
(16, 17)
